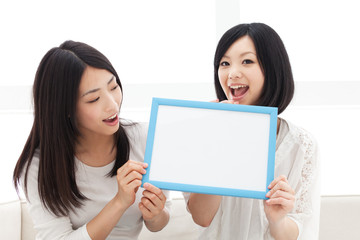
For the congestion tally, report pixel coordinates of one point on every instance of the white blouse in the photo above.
(100, 189)
(296, 158)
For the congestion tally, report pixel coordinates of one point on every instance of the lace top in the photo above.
(296, 158)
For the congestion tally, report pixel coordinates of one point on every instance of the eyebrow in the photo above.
(242, 54)
(97, 89)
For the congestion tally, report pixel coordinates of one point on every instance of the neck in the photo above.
(96, 151)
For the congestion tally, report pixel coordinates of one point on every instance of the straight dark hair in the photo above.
(278, 89)
(55, 132)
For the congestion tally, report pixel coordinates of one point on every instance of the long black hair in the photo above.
(54, 132)
(278, 89)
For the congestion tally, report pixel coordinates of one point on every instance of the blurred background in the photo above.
(165, 49)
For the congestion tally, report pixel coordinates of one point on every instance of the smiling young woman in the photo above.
(251, 67)
(81, 167)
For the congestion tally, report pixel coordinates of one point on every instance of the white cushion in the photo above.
(340, 217)
(10, 220)
(28, 232)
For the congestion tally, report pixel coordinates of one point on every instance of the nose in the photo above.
(235, 73)
(111, 104)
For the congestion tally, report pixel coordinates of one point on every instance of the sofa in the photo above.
(339, 219)
(16, 223)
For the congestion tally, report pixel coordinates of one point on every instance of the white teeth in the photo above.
(112, 117)
(238, 86)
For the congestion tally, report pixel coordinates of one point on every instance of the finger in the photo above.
(281, 185)
(128, 166)
(216, 100)
(131, 176)
(155, 200)
(131, 166)
(131, 188)
(134, 184)
(276, 180)
(228, 101)
(144, 210)
(280, 201)
(149, 204)
(135, 163)
(283, 194)
(151, 188)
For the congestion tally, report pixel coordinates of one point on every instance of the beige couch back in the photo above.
(339, 219)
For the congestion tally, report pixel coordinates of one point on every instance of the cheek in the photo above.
(257, 79)
(119, 97)
(261, 80)
(86, 115)
(223, 80)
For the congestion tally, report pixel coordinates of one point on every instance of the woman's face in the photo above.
(99, 103)
(240, 74)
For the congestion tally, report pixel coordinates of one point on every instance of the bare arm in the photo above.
(129, 180)
(280, 203)
(152, 207)
(203, 208)
(285, 229)
(101, 225)
(159, 222)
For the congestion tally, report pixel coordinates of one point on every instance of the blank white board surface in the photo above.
(211, 148)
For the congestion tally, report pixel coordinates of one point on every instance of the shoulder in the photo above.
(34, 165)
(135, 130)
(31, 175)
(303, 139)
(136, 133)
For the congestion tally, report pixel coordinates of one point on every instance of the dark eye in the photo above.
(224, 63)
(92, 101)
(114, 87)
(247, 61)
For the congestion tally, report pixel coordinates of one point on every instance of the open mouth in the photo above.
(238, 91)
(111, 119)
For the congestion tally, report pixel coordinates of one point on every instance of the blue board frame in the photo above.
(271, 111)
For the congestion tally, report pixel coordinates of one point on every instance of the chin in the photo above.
(112, 131)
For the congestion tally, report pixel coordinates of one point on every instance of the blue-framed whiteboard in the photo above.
(211, 148)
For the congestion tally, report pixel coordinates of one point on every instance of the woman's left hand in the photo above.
(281, 200)
(152, 203)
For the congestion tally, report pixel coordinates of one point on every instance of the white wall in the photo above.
(155, 46)
(165, 49)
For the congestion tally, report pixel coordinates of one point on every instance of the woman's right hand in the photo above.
(225, 101)
(129, 180)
